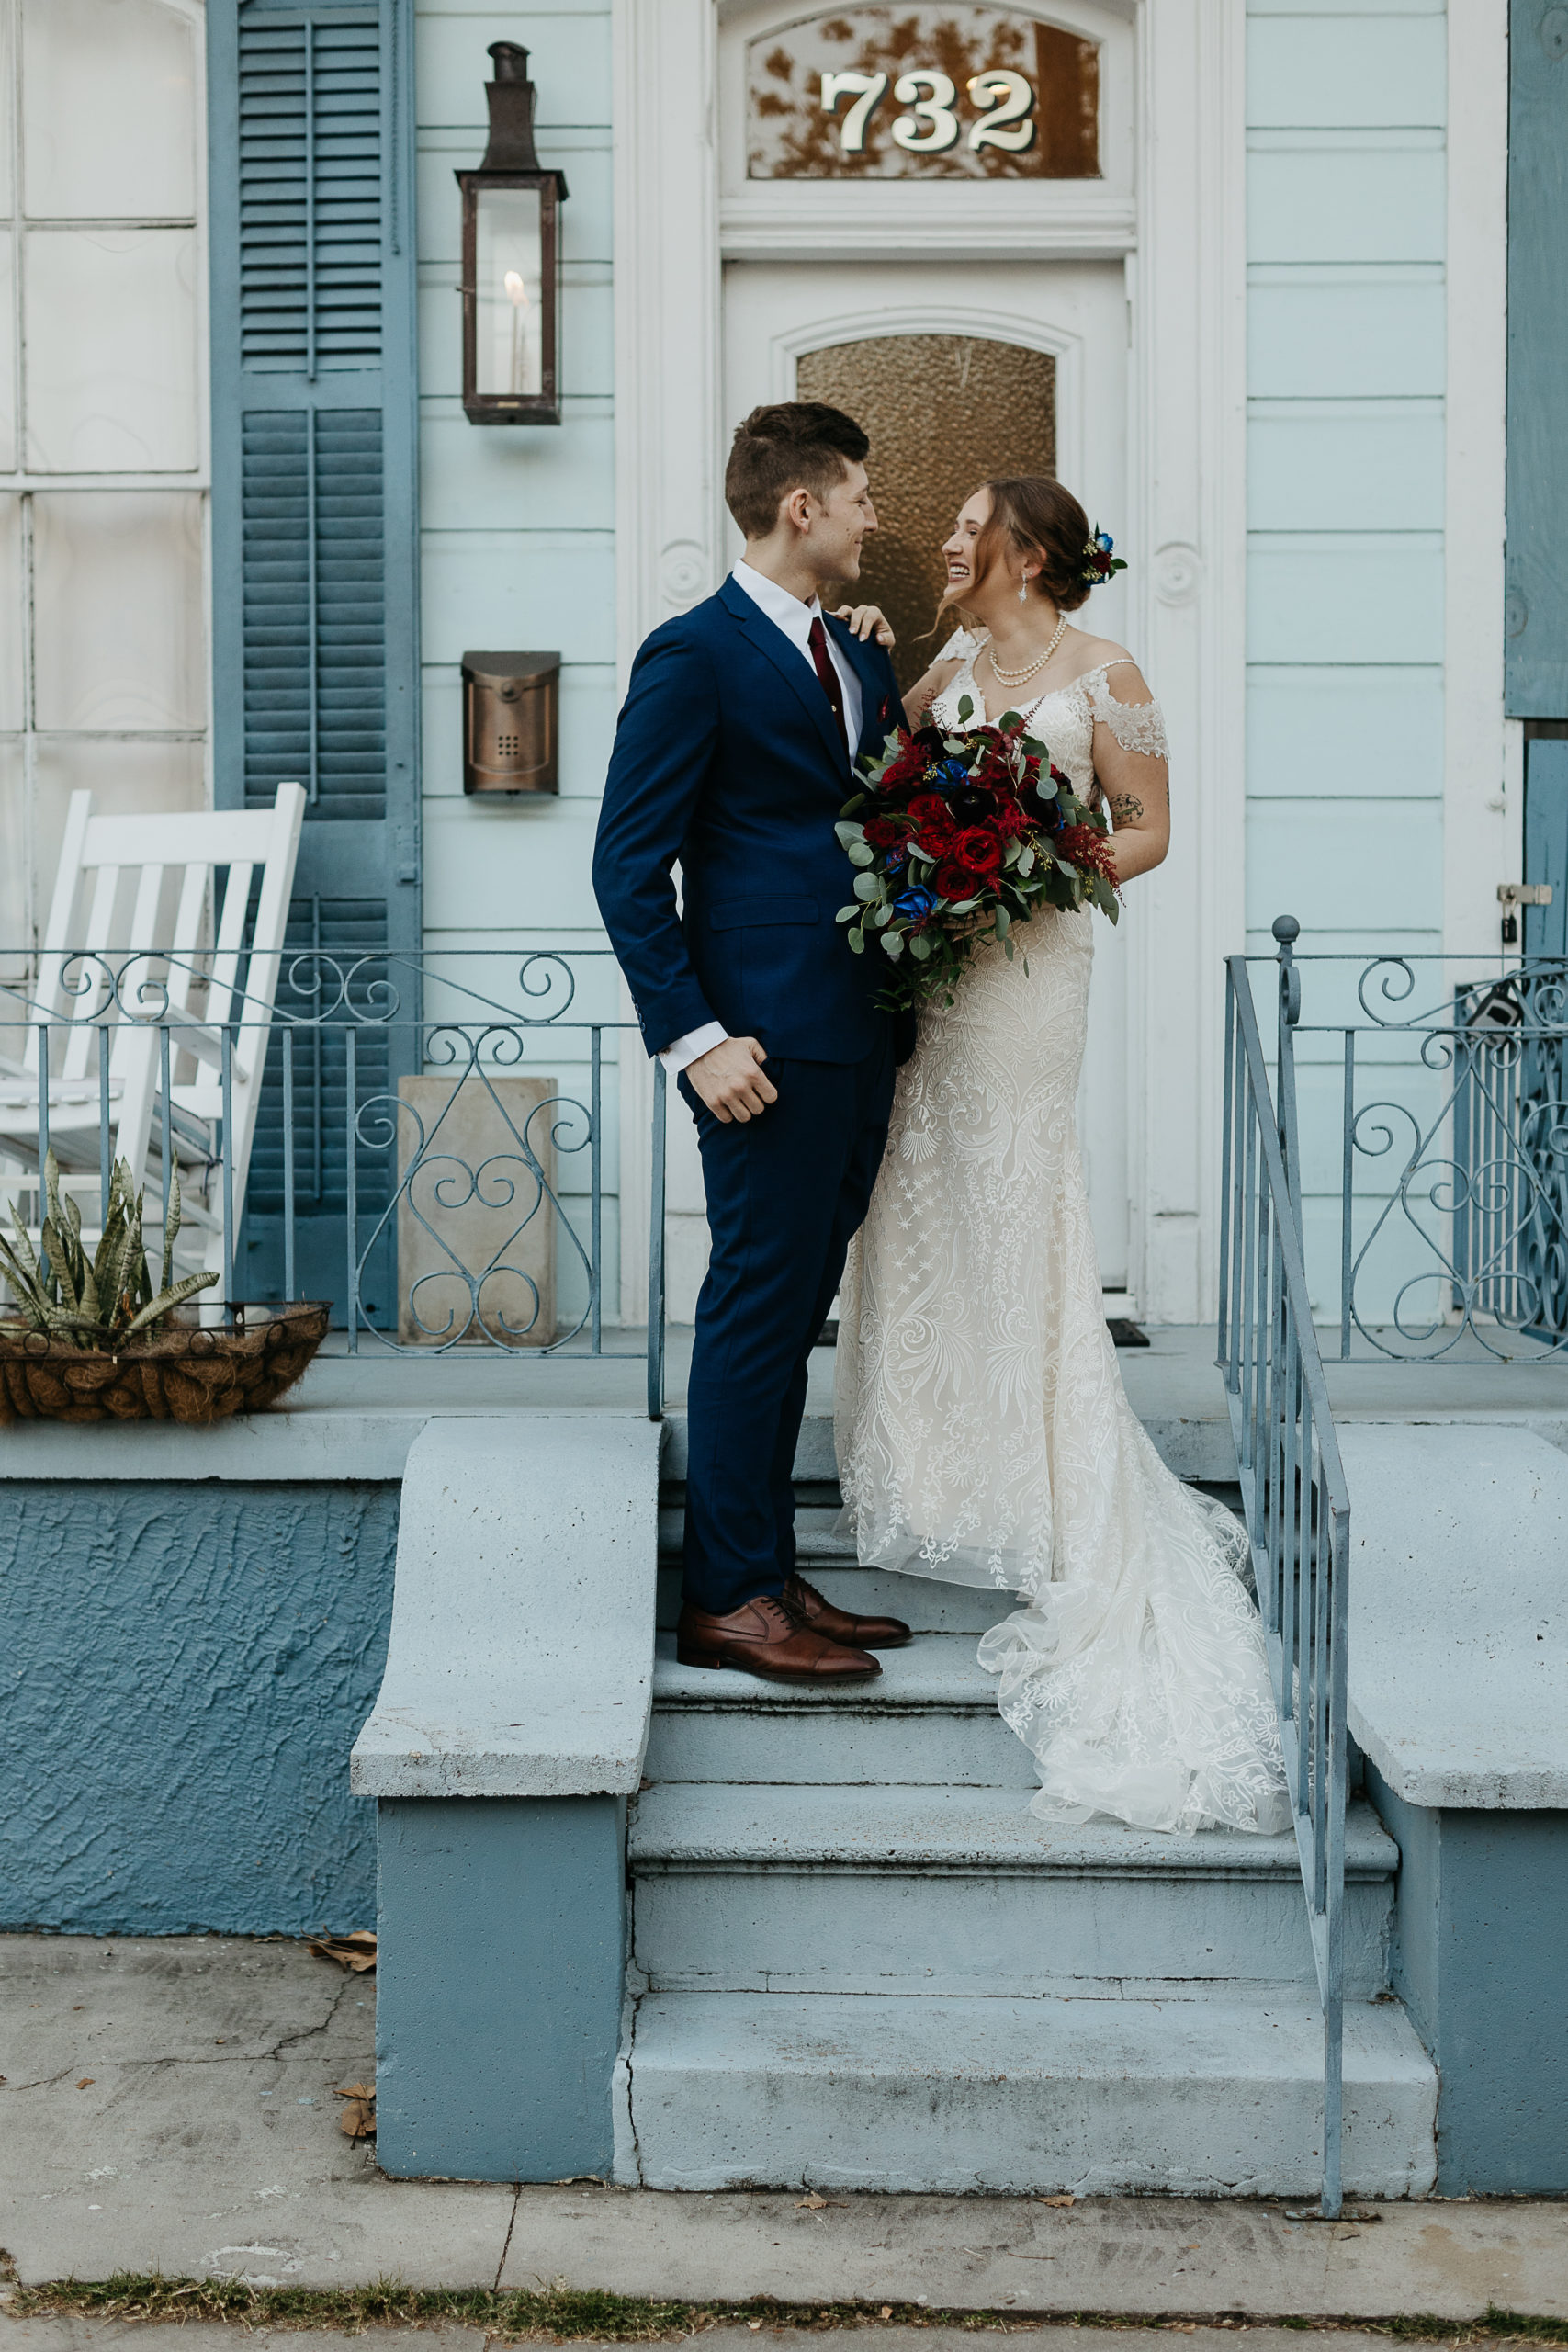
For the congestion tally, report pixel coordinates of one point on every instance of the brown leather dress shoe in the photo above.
(856, 1632)
(769, 1638)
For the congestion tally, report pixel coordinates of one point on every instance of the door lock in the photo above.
(1511, 896)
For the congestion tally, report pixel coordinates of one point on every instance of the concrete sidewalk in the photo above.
(171, 2107)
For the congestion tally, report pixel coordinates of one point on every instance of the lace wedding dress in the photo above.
(984, 1435)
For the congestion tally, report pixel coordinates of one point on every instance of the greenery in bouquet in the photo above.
(95, 1302)
(956, 839)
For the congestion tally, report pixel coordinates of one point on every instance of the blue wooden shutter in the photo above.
(315, 552)
(1537, 664)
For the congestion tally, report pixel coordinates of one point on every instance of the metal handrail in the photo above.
(1294, 1499)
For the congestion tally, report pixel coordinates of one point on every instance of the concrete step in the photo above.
(1191, 2098)
(930, 1715)
(829, 1559)
(911, 1890)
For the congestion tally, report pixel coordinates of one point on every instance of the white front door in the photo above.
(961, 370)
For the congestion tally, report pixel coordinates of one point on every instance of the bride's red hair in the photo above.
(1036, 516)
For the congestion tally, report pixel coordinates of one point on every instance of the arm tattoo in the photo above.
(1124, 806)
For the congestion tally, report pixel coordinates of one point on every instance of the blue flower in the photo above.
(915, 903)
(1104, 542)
(950, 775)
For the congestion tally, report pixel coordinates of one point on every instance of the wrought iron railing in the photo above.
(1295, 1503)
(1433, 1094)
(427, 1142)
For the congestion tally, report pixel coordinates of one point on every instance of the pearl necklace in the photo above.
(1016, 677)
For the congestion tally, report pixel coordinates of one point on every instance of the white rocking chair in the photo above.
(115, 964)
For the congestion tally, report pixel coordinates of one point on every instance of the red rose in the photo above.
(882, 832)
(954, 881)
(927, 808)
(980, 850)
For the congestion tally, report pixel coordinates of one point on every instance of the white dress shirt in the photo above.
(788, 614)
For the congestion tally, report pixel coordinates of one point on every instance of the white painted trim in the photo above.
(1184, 529)
(1187, 499)
(1483, 807)
(894, 221)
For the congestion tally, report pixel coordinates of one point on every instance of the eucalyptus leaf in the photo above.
(868, 886)
(893, 941)
(920, 948)
(862, 853)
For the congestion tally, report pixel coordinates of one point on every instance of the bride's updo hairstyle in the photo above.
(1035, 517)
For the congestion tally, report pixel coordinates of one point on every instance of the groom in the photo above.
(733, 754)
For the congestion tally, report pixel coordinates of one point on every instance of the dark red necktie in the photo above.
(829, 677)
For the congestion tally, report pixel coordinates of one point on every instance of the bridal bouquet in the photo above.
(956, 838)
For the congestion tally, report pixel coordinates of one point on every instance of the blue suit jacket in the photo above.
(727, 757)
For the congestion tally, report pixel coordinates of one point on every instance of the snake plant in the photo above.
(94, 1303)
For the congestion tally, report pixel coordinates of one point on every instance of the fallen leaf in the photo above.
(356, 1951)
(356, 2090)
(886, 2310)
(357, 2118)
(87, 2082)
(753, 2324)
(812, 2204)
(1055, 2200)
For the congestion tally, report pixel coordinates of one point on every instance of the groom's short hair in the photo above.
(791, 445)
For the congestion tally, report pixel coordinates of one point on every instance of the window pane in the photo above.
(110, 350)
(8, 355)
(109, 110)
(117, 609)
(509, 348)
(123, 778)
(12, 711)
(13, 866)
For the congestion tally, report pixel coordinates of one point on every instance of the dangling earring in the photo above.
(1023, 590)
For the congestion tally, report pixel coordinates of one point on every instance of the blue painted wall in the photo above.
(1346, 191)
(1481, 1962)
(500, 1986)
(183, 1671)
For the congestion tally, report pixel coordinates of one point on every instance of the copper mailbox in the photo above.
(511, 729)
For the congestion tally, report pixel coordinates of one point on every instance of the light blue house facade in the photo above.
(1258, 312)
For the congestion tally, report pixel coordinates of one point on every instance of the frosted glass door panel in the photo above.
(117, 609)
(109, 110)
(111, 351)
(13, 710)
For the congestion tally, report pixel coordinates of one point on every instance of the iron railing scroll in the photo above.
(1295, 1503)
(452, 1209)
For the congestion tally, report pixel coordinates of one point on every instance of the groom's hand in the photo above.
(730, 1081)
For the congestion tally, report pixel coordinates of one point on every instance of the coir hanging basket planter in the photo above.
(189, 1371)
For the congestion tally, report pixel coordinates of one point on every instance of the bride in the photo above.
(984, 1435)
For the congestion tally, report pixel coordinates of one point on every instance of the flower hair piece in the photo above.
(1099, 562)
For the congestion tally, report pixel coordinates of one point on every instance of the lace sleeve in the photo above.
(1138, 726)
(959, 647)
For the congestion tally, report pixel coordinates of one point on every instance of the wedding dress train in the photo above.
(984, 1434)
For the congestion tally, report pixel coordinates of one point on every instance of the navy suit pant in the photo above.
(785, 1192)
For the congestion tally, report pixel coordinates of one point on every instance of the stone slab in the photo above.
(206, 2142)
(177, 2157)
(476, 1218)
(1458, 1612)
(520, 1662)
(1002, 2095)
(962, 1890)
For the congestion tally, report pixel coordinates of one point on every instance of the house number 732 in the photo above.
(1005, 101)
